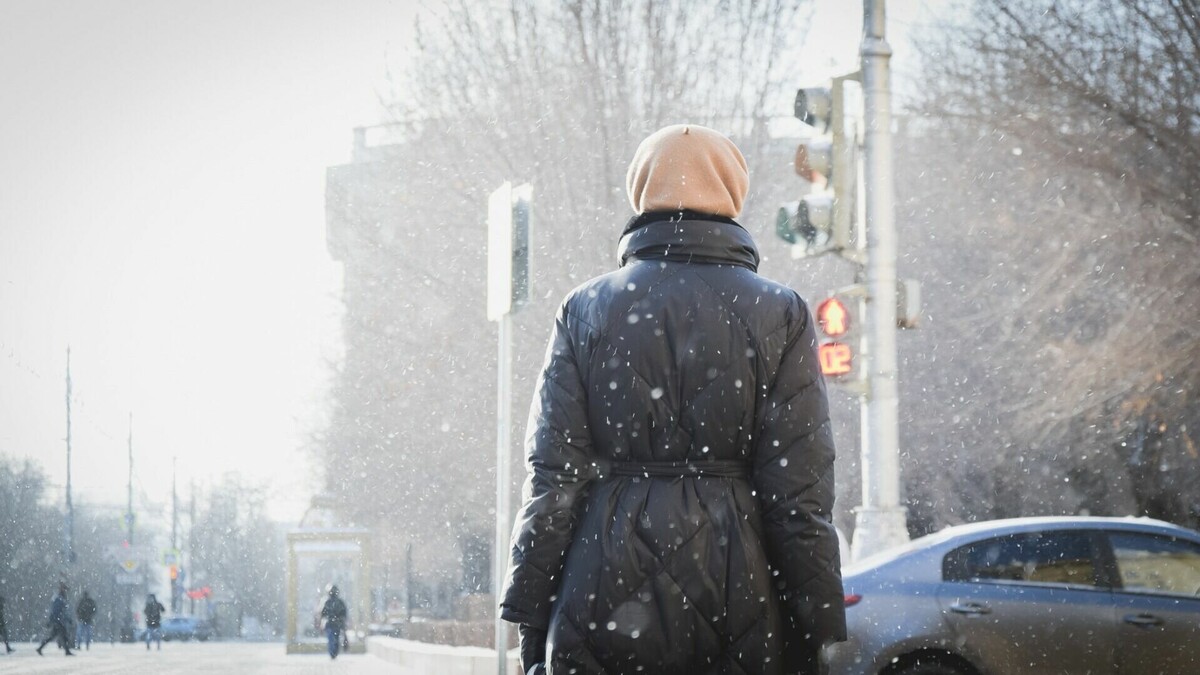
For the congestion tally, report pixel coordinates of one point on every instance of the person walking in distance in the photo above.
(59, 622)
(677, 512)
(85, 611)
(334, 614)
(153, 612)
(4, 629)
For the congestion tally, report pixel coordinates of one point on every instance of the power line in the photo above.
(81, 404)
(96, 425)
(12, 356)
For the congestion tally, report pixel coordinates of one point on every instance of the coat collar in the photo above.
(685, 236)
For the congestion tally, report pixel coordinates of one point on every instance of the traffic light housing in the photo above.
(839, 322)
(813, 105)
(806, 223)
(824, 220)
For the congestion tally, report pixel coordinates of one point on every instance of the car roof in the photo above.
(959, 534)
(1064, 522)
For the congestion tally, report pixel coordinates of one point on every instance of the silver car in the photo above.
(1094, 596)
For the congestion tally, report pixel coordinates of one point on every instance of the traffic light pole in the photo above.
(509, 222)
(127, 627)
(880, 522)
(69, 548)
(503, 480)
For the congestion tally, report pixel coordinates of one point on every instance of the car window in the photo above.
(1063, 558)
(1155, 564)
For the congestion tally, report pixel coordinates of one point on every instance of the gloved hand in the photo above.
(533, 649)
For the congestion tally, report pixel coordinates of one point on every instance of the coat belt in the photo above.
(713, 468)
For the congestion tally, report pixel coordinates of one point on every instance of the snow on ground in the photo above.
(225, 658)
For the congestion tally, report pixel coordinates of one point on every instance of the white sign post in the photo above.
(499, 252)
(509, 221)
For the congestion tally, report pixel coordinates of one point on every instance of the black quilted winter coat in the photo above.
(677, 513)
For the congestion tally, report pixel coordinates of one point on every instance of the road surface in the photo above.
(225, 658)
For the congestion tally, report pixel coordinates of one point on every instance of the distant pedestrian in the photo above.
(677, 512)
(153, 611)
(4, 629)
(334, 613)
(59, 622)
(85, 612)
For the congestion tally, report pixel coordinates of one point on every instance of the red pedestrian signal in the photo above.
(837, 318)
(833, 317)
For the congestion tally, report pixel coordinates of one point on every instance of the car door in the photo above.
(1157, 603)
(1031, 603)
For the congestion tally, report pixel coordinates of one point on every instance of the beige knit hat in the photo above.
(686, 166)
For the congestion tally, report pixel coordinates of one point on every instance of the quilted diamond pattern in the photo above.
(683, 354)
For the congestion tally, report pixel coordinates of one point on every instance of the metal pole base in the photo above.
(877, 530)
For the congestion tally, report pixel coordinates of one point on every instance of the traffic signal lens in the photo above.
(833, 317)
(835, 358)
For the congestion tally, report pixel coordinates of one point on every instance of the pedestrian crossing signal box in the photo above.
(837, 318)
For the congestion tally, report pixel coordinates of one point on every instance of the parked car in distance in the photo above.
(1070, 595)
(185, 628)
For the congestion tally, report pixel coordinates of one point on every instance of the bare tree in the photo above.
(1073, 191)
(561, 93)
(554, 93)
(238, 552)
(31, 564)
(1112, 85)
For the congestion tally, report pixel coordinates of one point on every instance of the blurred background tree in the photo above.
(31, 559)
(239, 553)
(558, 94)
(1064, 328)
(1047, 171)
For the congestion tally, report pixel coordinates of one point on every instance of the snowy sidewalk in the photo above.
(419, 658)
(225, 658)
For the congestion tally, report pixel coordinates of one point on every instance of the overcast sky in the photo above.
(162, 212)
